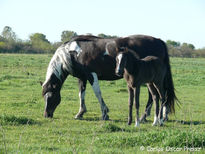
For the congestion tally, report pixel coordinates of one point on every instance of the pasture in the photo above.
(23, 129)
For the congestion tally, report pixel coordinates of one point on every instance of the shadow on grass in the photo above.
(13, 120)
(188, 122)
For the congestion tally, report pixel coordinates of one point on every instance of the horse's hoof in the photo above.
(165, 119)
(143, 118)
(78, 117)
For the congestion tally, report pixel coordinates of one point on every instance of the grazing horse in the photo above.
(149, 70)
(91, 58)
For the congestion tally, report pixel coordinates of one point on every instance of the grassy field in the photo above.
(23, 129)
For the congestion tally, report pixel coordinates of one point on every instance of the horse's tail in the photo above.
(169, 85)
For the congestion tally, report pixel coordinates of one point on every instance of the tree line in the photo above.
(38, 43)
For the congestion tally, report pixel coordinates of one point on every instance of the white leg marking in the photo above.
(81, 96)
(137, 124)
(155, 121)
(96, 88)
(164, 111)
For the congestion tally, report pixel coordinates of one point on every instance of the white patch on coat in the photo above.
(73, 46)
(119, 57)
(106, 47)
(59, 60)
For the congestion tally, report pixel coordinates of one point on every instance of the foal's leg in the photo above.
(96, 88)
(137, 105)
(155, 98)
(147, 109)
(130, 102)
(82, 109)
(160, 89)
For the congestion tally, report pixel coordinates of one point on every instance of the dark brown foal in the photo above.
(136, 72)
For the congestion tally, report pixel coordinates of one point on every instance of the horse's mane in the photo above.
(85, 38)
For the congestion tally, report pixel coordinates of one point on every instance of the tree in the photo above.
(38, 37)
(191, 46)
(8, 34)
(40, 44)
(173, 43)
(67, 35)
(106, 36)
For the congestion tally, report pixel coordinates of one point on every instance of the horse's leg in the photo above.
(82, 109)
(96, 89)
(155, 98)
(147, 109)
(130, 104)
(165, 113)
(137, 105)
(161, 92)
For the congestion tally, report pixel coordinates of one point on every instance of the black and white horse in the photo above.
(91, 58)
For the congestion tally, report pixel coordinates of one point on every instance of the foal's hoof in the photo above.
(154, 123)
(129, 122)
(137, 124)
(161, 122)
(143, 118)
(165, 118)
(105, 117)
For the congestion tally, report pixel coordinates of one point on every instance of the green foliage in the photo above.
(23, 129)
(8, 34)
(38, 43)
(173, 43)
(67, 35)
(184, 50)
(106, 36)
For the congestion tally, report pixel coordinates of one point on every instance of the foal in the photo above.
(149, 70)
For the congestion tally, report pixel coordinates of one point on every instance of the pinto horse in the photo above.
(149, 70)
(91, 58)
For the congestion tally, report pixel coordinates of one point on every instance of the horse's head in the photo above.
(51, 94)
(121, 60)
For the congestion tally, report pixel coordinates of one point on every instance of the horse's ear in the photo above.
(41, 83)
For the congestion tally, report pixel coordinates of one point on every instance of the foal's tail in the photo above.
(169, 85)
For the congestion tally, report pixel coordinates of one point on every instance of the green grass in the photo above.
(23, 129)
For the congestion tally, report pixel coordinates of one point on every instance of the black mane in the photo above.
(85, 38)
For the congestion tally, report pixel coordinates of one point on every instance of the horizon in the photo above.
(180, 21)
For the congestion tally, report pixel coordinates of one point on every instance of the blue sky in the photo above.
(178, 20)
